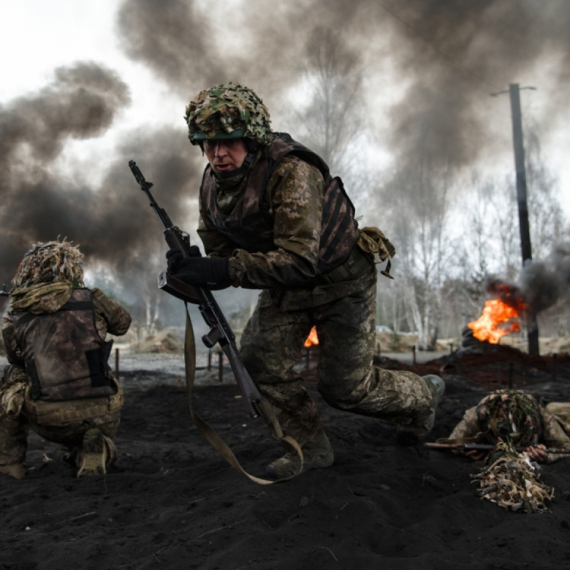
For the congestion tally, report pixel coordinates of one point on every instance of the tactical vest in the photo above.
(250, 224)
(64, 355)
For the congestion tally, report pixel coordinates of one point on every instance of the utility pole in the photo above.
(526, 248)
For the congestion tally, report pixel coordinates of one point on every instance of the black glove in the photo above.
(200, 271)
(175, 257)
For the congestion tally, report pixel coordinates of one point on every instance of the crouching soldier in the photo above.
(58, 382)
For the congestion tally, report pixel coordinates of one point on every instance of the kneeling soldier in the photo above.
(58, 382)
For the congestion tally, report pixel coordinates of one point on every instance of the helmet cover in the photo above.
(510, 415)
(49, 262)
(228, 111)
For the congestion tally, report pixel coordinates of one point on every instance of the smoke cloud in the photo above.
(111, 222)
(81, 103)
(428, 69)
(543, 283)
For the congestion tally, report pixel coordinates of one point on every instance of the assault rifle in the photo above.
(220, 331)
(4, 292)
(482, 447)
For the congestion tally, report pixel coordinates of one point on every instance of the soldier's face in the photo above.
(225, 156)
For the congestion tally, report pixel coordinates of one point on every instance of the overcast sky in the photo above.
(430, 67)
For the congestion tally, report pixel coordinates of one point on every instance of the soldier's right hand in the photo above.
(174, 258)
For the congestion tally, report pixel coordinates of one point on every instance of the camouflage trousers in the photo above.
(60, 422)
(271, 345)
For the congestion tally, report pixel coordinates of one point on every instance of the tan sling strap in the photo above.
(211, 436)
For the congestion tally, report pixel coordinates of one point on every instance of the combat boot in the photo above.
(15, 470)
(410, 435)
(317, 454)
(95, 454)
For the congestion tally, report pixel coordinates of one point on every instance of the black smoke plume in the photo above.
(542, 284)
(111, 221)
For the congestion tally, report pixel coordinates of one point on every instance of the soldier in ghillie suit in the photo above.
(273, 218)
(515, 417)
(58, 382)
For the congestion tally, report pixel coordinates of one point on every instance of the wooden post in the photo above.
(414, 353)
(221, 367)
(117, 364)
(532, 324)
(209, 359)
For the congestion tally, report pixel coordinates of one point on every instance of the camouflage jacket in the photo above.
(294, 197)
(553, 434)
(71, 377)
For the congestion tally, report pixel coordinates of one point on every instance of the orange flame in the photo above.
(490, 325)
(312, 338)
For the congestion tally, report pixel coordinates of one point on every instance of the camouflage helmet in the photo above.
(228, 111)
(49, 262)
(510, 415)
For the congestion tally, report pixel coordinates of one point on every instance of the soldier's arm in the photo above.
(116, 318)
(468, 427)
(553, 437)
(295, 192)
(13, 352)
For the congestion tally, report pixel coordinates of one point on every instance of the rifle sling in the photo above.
(211, 436)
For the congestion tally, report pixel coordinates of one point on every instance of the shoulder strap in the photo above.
(211, 436)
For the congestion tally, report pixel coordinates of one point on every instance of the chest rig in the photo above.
(250, 222)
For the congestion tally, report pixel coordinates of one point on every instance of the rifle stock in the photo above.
(220, 330)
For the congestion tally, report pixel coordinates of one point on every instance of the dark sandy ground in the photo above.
(172, 503)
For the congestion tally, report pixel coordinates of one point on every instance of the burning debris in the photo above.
(312, 339)
(495, 322)
(500, 315)
(543, 284)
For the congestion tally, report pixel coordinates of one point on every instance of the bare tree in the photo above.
(331, 119)
(418, 200)
(548, 225)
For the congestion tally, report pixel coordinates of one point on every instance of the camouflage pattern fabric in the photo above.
(61, 422)
(296, 191)
(347, 379)
(510, 415)
(110, 317)
(14, 429)
(553, 434)
(224, 109)
(294, 299)
(512, 481)
(49, 262)
(261, 217)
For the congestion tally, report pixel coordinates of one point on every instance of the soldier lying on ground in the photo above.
(273, 218)
(58, 382)
(515, 416)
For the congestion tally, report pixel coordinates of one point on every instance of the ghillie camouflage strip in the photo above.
(226, 108)
(512, 481)
(49, 262)
(510, 415)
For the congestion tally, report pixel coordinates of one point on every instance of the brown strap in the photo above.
(211, 436)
